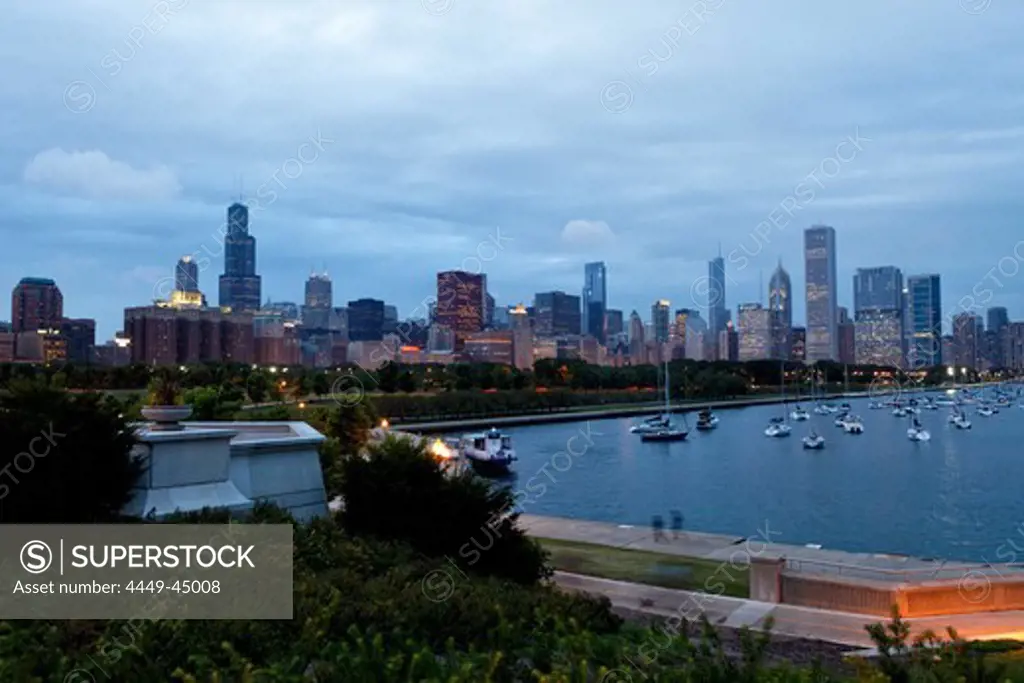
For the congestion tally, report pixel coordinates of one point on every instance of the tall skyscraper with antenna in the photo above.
(239, 285)
(718, 315)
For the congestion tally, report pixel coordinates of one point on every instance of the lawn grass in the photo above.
(641, 566)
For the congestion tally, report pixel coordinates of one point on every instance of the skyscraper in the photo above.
(319, 302)
(846, 331)
(780, 306)
(998, 320)
(755, 337)
(595, 300)
(557, 314)
(613, 323)
(637, 340)
(461, 303)
(717, 311)
(36, 304)
(239, 285)
(878, 316)
(366, 320)
(923, 321)
(660, 320)
(186, 275)
(965, 340)
(820, 269)
(522, 338)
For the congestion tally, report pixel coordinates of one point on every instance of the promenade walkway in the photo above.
(789, 620)
(739, 550)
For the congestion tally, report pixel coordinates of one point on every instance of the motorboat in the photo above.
(814, 441)
(489, 453)
(845, 406)
(918, 433)
(799, 415)
(875, 405)
(667, 434)
(778, 430)
(822, 409)
(853, 425)
(986, 411)
(706, 420)
(899, 411)
(840, 420)
(651, 424)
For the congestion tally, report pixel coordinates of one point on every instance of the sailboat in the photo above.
(668, 432)
(958, 419)
(814, 441)
(653, 424)
(916, 432)
(799, 414)
(779, 427)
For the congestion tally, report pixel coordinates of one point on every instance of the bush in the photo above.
(66, 457)
(399, 492)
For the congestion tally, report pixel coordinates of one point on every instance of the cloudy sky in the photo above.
(387, 140)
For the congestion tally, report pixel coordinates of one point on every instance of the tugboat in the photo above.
(706, 420)
(490, 453)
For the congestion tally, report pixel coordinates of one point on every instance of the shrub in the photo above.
(399, 492)
(66, 457)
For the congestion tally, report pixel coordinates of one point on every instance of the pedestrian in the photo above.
(658, 525)
(677, 523)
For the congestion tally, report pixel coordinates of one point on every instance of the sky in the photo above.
(385, 140)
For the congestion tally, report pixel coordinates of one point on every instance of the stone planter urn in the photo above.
(166, 418)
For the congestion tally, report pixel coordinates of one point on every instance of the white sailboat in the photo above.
(668, 432)
(814, 441)
(916, 432)
(780, 427)
(655, 423)
(958, 419)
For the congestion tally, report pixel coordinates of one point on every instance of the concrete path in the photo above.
(789, 620)
(739, 550)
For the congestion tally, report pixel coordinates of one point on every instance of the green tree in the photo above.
(66, 457)
(400, 492)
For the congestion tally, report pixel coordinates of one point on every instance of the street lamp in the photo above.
(951, 372)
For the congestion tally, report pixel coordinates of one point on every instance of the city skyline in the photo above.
(108, 181)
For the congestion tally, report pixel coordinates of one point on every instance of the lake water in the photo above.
(956, 497)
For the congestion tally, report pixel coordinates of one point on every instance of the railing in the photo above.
(939, 571)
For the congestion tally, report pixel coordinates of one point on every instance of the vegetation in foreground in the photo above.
(368, 603)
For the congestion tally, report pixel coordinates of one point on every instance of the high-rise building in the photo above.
(780, 305)
(239, 285)
(729, 343)
(637, 340)
(613, 323)
(997, 323)
(461, 303)
(366, 320)
(319, 302)
(557, 314)
(36, 304)
(488, 310)
(997, 318)
(1013, 346)
(755, 331)
(798, 350)
(186, 275)
(878, 316)
(820, 269)
(717, 311)
(965, 340)
(846, 331)
(595, 300)
(923, 321)
(522, 338)
(661, 320)
(696, 336)
(80, 339)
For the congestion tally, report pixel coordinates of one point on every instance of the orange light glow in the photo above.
(301, 405)
(384, 424)
(439, 450)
